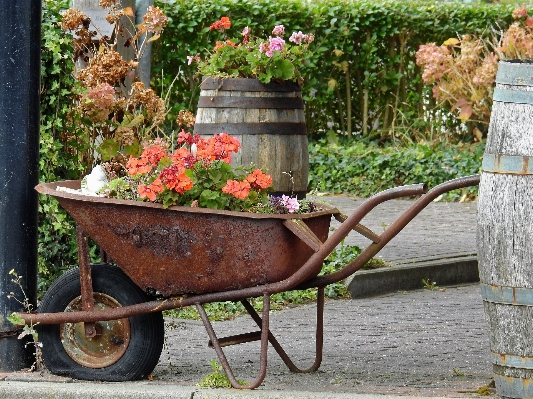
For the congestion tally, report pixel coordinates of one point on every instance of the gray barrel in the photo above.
(505, 230)
(268, 120)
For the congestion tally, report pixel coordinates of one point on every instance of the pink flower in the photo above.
(279, 30)
(264, 47)
(520, 12)
(246, 31)
(154, 20)
(193, 58)
(309, 38)
(296, 38)
(277, 44)
(103, 96)
(291, 204)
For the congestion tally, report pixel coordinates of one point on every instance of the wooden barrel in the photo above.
(505, 230)
(268, 120)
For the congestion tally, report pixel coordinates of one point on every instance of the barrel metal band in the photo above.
(519, 362)
(513, 96)
(515, 73)
(507, 164)
(511, 387)
(251, 102)
(507, 295)
(281, 128)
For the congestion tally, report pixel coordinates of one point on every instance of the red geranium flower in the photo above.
(239, 189)
(223, 23)
(258, 179)
(151, 190)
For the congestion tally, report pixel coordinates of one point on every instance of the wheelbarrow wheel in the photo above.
(122, 350)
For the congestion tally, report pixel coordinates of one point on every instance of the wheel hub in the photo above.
(111, 340)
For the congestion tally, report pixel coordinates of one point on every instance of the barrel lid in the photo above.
(516, 73)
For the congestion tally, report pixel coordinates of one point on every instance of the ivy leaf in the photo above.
(451, 42)
(129, 12)
(134, 149)
(465, 109)
(153, 38)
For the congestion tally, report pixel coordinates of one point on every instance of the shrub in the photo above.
(363, 169)
(57, 248)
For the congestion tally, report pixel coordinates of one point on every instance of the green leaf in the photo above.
(284, 69)
(108, 149)
(15, 319)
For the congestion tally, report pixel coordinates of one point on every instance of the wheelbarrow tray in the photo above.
(186, 250)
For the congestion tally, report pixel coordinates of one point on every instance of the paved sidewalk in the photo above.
(423, 343)
(443, 230)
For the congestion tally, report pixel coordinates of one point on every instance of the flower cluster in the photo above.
(517, 40)
(112, 111)
(463, 73)
(251, 57)
(285, 202)
(197, 173)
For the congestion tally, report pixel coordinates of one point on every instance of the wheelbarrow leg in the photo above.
(87, 299)
(222, 357)
(319, 335)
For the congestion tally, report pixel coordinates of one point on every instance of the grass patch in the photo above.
(218, 378)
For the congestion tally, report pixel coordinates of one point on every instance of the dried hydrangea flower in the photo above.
(72, 19)
(185, 119)
(107, 3)
(105, 67)
(148, 99)
(154, 21)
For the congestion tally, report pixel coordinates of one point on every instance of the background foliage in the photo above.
(362, 78)
(57, 251)
(365, 169)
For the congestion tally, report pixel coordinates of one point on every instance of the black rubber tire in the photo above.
(146, 331)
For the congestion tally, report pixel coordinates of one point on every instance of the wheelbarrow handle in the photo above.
(392, 230)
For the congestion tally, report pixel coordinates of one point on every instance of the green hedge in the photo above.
(362, 75)
(363, 170)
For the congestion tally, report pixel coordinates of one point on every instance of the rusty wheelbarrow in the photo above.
(103, 321)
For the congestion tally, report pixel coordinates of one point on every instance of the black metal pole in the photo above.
(20, 46)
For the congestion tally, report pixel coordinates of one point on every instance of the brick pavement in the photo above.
(406, 343)
(441, 230)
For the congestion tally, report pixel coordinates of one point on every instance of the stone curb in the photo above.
(367, 283)
(135, 390)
